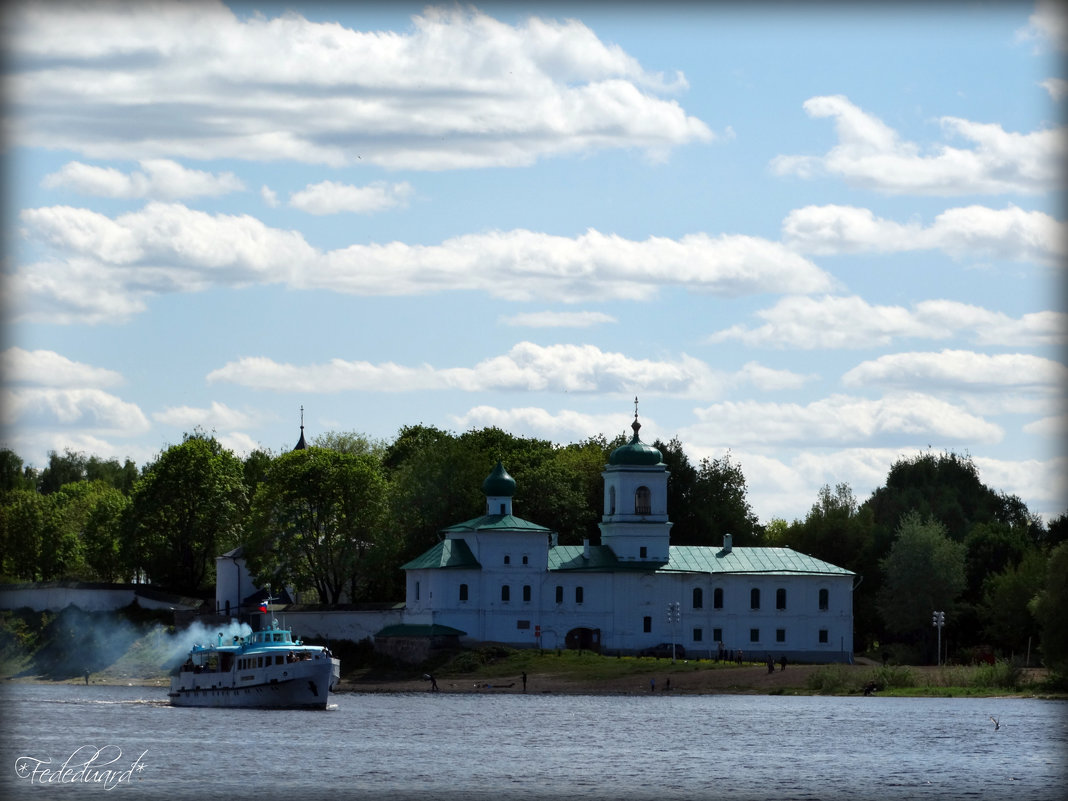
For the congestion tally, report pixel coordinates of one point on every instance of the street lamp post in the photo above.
(674, 614)
(938, 620)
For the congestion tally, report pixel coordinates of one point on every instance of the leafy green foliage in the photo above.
(186, 509)
(924, 572)
(1050, 608)
(316, 515)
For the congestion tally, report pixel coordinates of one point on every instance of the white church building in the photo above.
(500, 578)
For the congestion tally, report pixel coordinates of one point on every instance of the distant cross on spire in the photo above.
(302, 417)
(635, 407)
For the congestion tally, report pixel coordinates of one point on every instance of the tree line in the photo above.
(336, 520)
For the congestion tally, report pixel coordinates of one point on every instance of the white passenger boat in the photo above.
(265, 669)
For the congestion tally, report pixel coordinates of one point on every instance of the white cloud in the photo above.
(459, 89)
(526, 367)
(1057, 88)
(92, 410)
(1054, 427)
(563, 426)
(159, 178)
(871, 155)
(106, 268)
(972, 231)
(217, 416)
(1048, 24)
(330, 197)
(46, 368)
(549, 319)
(840, 420)
(852, 322)
(961, 369)
(270, 197)
(1043, 483)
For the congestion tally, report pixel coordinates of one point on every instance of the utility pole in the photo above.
(674, 614)
(938, 620)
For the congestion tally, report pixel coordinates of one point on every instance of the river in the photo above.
(441, 746)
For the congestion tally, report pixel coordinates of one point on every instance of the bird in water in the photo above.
(996, 724)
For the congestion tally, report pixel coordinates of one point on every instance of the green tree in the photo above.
(923, 573)
(186, 509)
(120, 476)
(720, 497)
(1009, 623)
(1050, 608)
(22, 522)
(68, 468)
(316, 518)
(13, 475)
(103, 536)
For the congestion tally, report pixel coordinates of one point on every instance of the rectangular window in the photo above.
(578, 595)
(754, 598)
(559, 594)
(463, 592)
(526, 593)
(417, 590)
(717, 635)
(717, 598)
(647, 624)
(754, 635)
(697, 635)
(506, 592)
(526, 559)
(507, 559)
(780, 598)
(824, 600)
(823, 635)
(522, 624)
(780, 635)
(643, 552)
(698, 598)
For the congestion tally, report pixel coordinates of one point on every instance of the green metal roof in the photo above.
(698, 559)
(602, 558)
(416, 630)
(498, 523)
(447, 553)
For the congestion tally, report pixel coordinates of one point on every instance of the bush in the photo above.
(832, 680)
(893, 676)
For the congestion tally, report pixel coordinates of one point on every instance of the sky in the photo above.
(820, 238)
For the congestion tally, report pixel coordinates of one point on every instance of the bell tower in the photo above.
(635, 523)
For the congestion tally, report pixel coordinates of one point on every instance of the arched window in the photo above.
(754, 598)
(717, 598)
(780, 598)
(611, 500)
(463, 592)
(643, 501)
(506, 592)
(824, 599)
(698, 598)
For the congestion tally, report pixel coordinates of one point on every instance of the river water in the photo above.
(441, 746)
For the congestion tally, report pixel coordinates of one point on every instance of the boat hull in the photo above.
(302, 686)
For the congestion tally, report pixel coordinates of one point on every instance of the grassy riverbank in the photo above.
(139, 650)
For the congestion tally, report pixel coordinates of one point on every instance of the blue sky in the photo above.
(818, 237)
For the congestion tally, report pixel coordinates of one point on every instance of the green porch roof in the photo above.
(699, 559)
(499, 523)
(447, 553)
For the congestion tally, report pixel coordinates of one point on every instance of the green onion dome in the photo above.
(636, 452)
(499, 483)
